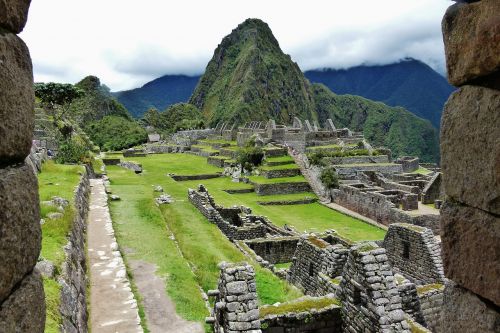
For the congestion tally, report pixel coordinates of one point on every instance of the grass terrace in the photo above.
(56, 180)
(145, 232)
(284, 158)
(422, 171)
(279, 167)
(303, 305)
(264, 180)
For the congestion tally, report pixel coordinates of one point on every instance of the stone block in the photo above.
(471, 34)
(13, 14)
(470, 147)
(24, 309)
(471, 249)
(16, 98)
(462, 311)
(20, 235)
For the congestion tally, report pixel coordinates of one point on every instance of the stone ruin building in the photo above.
(390, 285)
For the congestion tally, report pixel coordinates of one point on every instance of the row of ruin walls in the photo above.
(280, 173)
(356, 159)
(22, 303)
(408, 163)
(377, 207)
(73, 279)
(200, 199)
(350, 171)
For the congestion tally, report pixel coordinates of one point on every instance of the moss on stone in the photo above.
(428, 287)
(301, 305)
(318, 242)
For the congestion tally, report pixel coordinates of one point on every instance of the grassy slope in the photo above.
(140, 227)
(55, 180)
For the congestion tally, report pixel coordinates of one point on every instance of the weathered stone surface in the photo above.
(20, 235)
(24, 310)
(16, 98)
(471, 34)
(465, 312)
(470, 147)
(13, 14)
(471, 249)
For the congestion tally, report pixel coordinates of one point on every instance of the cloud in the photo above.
(127, 43)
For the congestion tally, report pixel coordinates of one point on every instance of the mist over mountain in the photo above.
(409, 83)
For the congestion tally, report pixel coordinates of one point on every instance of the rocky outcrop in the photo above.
(471, 37)
(470, 151)
(13, 14)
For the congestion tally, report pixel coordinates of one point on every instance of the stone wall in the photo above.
(186, 138)
(370, 298)
(470, 155)
(217, 161)
(281, 188)
(312, 258)
(409, 163)
(414, 252)
(372, 203)
(356, 159)
(349, 171)
(324, 320)
(136, 167)
(73, 280)
(22, 304)
(236, 306)
(431, 305)
(433, 190)
(204, 203)
(280, 173)
(274, 250)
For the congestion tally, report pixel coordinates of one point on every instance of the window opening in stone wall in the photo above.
(356, 297)
(311, 269)
(268, 248)
(406, 250)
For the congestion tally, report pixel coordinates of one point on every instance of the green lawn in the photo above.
(144, 230)
(422, 171)
(56, 180)
(279, 167)
(284, 158)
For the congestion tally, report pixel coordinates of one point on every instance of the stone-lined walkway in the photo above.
(112, 305)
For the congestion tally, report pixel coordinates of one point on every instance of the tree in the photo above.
(329, 178)
(57, 94)
(249, 156)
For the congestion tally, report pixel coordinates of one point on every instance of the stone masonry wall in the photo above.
(236, 307)
(470, 155)
(414, 252)
(203, 202)
(274, 250)
(22, 304)
(370, 298)
(431, 305)
(281, 188)
(73, 278)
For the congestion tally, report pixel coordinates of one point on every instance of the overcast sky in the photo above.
(130, 42)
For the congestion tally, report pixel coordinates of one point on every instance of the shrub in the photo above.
(71, 151)
(329, 178)
(250, 156)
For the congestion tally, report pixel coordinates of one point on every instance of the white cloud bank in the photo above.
(129, 42)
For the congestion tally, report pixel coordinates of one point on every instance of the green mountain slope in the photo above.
(250, 78)
(392, 127)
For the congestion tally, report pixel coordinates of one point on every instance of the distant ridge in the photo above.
(409, 83)
(159, 93)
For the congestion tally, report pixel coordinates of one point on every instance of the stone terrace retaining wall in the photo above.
(281, 188)
(179, 178)
(414, 252)
(136, 167)
(347, 171)
(73, 278)
(280, 173)
(274, 250)
(216, 161)
(356, 159)
(22, 304)
(201, 200)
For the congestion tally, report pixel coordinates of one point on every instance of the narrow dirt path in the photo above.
(113, 308)
(158, 307)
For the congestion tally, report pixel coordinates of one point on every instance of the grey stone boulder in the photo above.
(470, 147)
(164, 199)
(46, 268)
(471, 35)
(20, 233)
(114, 197)
(55, 215)
(13, 14)
(16, 97)
(24, 309)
